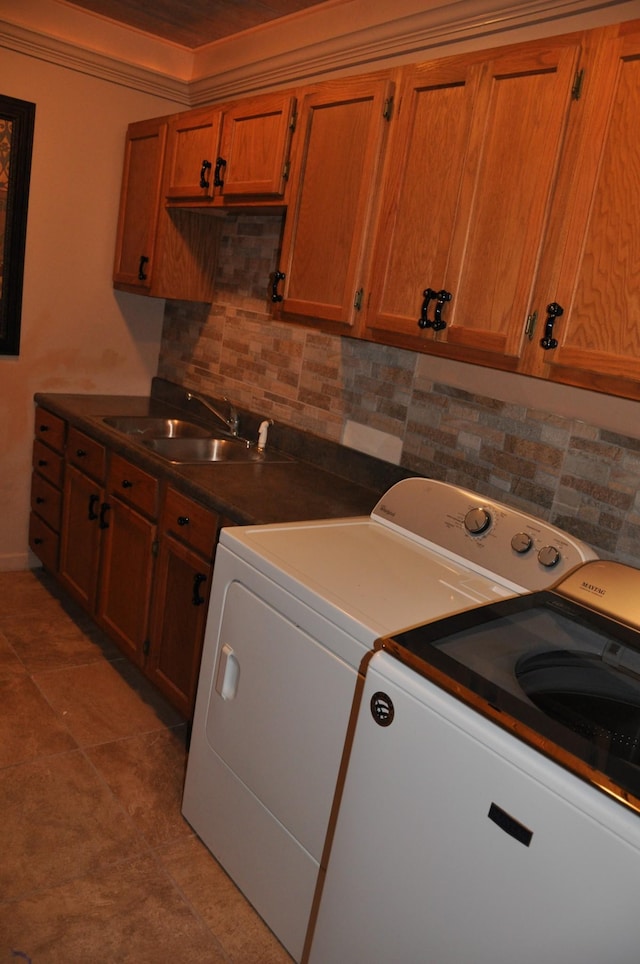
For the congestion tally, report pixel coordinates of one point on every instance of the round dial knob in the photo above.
(549, 556)
(521, 542)
(477, 521)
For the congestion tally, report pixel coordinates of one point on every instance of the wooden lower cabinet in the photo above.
(81, 536)
(125, 578)
(138, 558)
(182, 585)
(46, 488)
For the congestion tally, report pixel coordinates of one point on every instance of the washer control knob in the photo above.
(521, 542)
(549, 556)
(477, 521)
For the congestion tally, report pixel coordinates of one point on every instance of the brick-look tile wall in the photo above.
(578, 476)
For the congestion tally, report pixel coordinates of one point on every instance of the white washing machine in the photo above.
(491, 808)
(294, 610)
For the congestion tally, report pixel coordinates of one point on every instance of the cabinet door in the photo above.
(591, 267)
(181, 595)
(341, 132)
(192, 154)
(466, 195)
(256, 135)
(139, 205)
(80, 537)
(125, 583)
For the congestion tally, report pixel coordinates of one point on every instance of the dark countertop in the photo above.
(265, 492)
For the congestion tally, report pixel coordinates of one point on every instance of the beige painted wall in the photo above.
(78, 335)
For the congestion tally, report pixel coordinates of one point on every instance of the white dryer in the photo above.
(294, 610)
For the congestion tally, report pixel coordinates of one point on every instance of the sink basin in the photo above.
(210, 450)
(149, 427)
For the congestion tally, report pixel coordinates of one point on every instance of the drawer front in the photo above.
(50, 429)
(47, 463)
(190, 522)
(86, 454)
(46, 501)
(134, 485)
(44, 542)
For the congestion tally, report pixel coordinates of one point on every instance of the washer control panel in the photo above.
(521, 549)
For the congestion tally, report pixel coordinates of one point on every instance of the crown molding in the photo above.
(111, 69)
(237, 66)
(441, 29)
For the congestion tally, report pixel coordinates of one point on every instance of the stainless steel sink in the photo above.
(211, 450)
(150, 427)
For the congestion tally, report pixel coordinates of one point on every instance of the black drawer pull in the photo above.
(126, 484)
(183, 520)
(38, 541)
(42, 462)
(81, 453)
(44, 428)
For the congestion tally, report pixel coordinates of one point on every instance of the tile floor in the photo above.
(96, 862)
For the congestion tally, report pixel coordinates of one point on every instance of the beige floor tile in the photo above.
(105, 701)
(29, 728)
(146, 774)
(59, 821)
(244, 936)
(10, 665)
(46, 640)
(118, 916)
(23, 592)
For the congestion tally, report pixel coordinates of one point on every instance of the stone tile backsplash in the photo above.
(578, 476)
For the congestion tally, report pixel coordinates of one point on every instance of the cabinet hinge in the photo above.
(146, 646)
(387, 108)
(154, 547)
(530, 325)
(576, 90)
(357, 301)
(285, 171)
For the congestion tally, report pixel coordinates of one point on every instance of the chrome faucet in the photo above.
(231, 419)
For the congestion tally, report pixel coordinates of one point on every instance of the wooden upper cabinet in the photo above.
(467, 188)
(254, 153)
(591, 267)
(335, 162)
(192, 154)
(139, 205)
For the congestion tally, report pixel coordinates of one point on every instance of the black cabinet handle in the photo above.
(278, 276)
(441, 299)
(220, 165)
(42, 462)
(93, 501)
(423, 322)
(126, 484)
(554, 310)
(81, 454)
(183, 520)
(198, 579)
(39, 500)
(141, 272)
(38, 541)
(44, 428)
(104, 509)
(206, 166)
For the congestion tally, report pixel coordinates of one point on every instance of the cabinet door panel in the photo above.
(255, 145)
(339, 141)
(139, 204)
(183, 582)
(467, 189)
(592, 268)
(193, 142)
(425, 161)
(495, 253)
(80, 536)
(125, 585)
